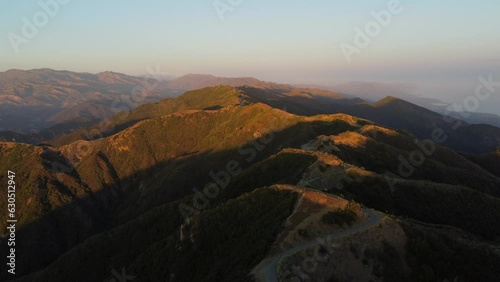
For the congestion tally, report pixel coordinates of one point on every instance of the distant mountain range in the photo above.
(391, 112)
(372, 91)
(35, 100)
(83, 120)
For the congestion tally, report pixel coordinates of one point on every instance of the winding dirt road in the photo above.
(374, 217)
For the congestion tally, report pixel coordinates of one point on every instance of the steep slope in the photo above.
(474, 118)
(154, 162)
(391, 112)
(203, 99)
(176, 244)
(34, 100)
(190, 160)
(422, 123)
(212, 98)
(489, 161)
(395, 250)
(372, 92)
(238, 249)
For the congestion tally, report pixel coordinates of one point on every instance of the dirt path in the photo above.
(271, 271)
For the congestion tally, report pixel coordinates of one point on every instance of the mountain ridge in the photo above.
(72, 194)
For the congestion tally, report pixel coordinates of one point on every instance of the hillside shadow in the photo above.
(390, 112)
(296, 104)
(42, 241)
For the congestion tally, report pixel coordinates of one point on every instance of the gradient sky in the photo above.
(441, 45)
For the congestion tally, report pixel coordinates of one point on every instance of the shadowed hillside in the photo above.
(106, 196)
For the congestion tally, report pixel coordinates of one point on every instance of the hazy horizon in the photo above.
(294, 42)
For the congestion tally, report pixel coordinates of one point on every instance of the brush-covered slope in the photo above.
(204, 99)
(133, 197)
(183, 136)
(161, 245)
(297, 101)
(33, 100)
(222, 240)
(390, 111)
(396, 250)
(397, 113)
(153, 162)
(490, 162)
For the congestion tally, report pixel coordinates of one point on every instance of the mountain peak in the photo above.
(389, 100)
(112, 77)
(197, 81)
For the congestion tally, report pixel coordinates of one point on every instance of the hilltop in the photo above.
(390, 111)
(99, 99)
(34, 100)
(87, 196)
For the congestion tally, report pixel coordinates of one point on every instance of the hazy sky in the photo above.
(438, 44)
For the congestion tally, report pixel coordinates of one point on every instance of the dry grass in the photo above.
(351, 139)
(374, 130)
(308, 217)
(349, 261)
